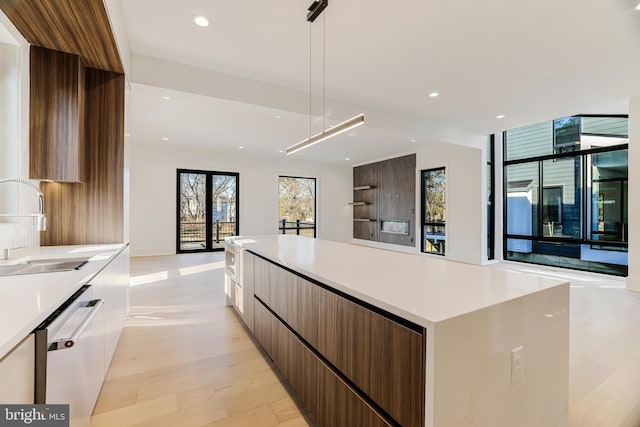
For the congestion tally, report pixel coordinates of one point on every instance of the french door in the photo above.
(207, 209)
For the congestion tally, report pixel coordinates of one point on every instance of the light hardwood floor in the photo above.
(185, 359)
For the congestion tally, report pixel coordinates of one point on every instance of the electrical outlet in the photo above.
(517, 364)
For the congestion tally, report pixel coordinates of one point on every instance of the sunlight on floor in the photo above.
(186, 271)
(148, 278)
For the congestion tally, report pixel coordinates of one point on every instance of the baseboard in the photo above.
(633, 283)
(140, 252)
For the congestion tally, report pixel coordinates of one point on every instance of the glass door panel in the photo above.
(192, 211)
(224, 203)
(207, 209)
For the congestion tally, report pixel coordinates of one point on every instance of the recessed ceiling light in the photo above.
(165, 97)
(201, 21)
(500, 116)
(278, 117)
(240, 147)
(638, 6)
(433, 94)
(281, 151)
(413, 140)
(127, 134)
(165, 139)
(347, 159)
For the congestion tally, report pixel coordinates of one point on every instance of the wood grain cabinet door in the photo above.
(57, 116)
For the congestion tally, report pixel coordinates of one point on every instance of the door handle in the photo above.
(65, 343)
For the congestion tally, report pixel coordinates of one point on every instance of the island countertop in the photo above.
(420, 288)
(29, 299)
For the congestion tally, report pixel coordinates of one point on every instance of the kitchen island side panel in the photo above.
(472, 371)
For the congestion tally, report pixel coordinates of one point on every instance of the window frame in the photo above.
(315, 205)
(423, 222)
(208, 210)
(583, 155)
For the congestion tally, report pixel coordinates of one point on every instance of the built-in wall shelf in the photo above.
(364, 187)
(363, 219)
(359, 203)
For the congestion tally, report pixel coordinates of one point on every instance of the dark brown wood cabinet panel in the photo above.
(340, 406)
(307, 309)
(283, 294)
(332, 402)
(93, 212)
(377, 353)
(80, 27)
(56, 116)
(263, 328)
(262, 277)
(382, 358)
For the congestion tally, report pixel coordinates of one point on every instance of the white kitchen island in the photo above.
(495, 344)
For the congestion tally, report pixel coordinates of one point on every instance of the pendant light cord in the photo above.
(309, 80)
(324, 70)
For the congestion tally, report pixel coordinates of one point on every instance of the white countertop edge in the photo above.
(270, 247)
(418, 320)
(18, 336)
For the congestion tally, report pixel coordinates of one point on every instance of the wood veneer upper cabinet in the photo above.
(93, 212)
(57, 116)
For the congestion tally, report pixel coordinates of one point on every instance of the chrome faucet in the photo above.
(41, 216)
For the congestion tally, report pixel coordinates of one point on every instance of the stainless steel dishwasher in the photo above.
(70, 361)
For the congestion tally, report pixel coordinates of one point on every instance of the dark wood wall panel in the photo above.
(56, 116)
(80, 27)
(92, 212)
(396, 197)
(392, 199)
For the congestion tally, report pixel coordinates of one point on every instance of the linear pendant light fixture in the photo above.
(336, 130)
(316, 8)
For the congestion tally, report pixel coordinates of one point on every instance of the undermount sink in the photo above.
(33, 266)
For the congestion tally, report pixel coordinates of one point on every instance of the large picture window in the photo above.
(566, 193)
(207, 209)
(434, 186)
(297, 206)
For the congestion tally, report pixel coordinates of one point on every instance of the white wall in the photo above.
(466, 208)
(14, 133)
(153, 193)
(633, 280)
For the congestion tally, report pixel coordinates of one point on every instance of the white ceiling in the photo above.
(531, 61)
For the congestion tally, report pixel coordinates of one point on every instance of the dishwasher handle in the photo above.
(65, 343)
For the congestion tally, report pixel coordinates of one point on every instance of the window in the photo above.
(566, 193)
(434, 184)
(491, 176)
(551, 209)
(297, 206)
(207, 209)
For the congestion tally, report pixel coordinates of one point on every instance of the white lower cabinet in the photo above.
(17, 372)
(114, 280)
(238, 304)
